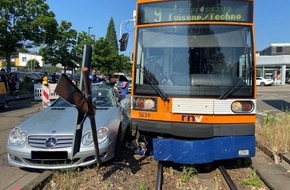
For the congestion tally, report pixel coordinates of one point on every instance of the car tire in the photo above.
(262, 84)
(118, 145)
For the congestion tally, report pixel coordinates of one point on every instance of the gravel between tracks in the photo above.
(137, 172)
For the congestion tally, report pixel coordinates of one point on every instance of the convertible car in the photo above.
(48, 139)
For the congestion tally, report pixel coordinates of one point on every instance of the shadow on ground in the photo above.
(278, 104)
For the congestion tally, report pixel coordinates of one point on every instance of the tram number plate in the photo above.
(144, 115)
(244, 152)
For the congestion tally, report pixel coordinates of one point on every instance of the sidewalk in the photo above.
(274, 175)
(274, 88)
(19, 97)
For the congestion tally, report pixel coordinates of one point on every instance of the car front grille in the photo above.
(50, 142)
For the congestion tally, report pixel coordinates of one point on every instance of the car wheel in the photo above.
(262, 84)
(118, 145)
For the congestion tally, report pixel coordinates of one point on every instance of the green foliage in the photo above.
(27, 85)
(24, 23)
(104, 58)
(187, 173)
(111, 36)
(274, 132)
(125, 63)
(30, 23)
(82, 39)
(253, 180)
(61, 50)
(32, 64)
(142, 186)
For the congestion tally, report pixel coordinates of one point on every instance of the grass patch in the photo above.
(142, 186)
(73, 179)
(187, 173)
(274, 132)
(253, 180)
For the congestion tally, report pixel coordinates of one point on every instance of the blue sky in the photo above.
(272, 18)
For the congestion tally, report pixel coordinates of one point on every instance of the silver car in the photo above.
(47, 139)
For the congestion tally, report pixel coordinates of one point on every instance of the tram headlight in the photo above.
(242, 106)
(144, 103)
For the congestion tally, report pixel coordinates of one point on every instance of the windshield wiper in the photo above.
(153, 85)
(237, 85)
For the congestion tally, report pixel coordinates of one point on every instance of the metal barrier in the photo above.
(38, 92)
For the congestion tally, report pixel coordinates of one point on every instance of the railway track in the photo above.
(227, 180)
(228, 183)
(163, 179)
(271, 176)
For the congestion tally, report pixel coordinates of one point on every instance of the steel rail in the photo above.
(227, 178)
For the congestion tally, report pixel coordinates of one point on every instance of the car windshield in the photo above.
(103, 95)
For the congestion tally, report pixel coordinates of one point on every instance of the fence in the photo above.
(38, 92)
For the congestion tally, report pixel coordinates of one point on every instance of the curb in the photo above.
(275, 175)
(23, 97)
(30, 181)
(39, 181)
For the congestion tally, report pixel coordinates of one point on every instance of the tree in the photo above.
(32, 64)
(61, 50)
(82, 39)
(125, 63)
(25, 23)
(104, 58)
(111, 35)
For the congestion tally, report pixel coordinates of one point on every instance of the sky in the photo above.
(271, 17)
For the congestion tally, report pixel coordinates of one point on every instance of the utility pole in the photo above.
(89, 30)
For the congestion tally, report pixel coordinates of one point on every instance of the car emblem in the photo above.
(50, 142)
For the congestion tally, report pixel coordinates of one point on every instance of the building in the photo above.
(274, 62)
(22, 59)
(25, 57)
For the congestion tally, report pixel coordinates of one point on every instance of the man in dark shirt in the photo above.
(94, 78)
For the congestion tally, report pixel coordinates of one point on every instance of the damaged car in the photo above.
(60, 137)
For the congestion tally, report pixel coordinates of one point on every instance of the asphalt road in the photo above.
(270, 99)
(273, 99)
(17, 111)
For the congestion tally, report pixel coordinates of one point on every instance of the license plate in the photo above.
(45, 155)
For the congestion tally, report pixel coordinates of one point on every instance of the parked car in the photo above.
(261, 81)
(46, 140)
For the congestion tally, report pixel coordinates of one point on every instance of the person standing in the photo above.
(4, 80)
(12, 84)
(124, 85)
(94, 78)
(53, 78)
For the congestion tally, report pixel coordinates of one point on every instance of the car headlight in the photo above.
(102, 136)
(17, 137)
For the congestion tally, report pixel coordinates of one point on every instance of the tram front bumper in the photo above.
(203, 150)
